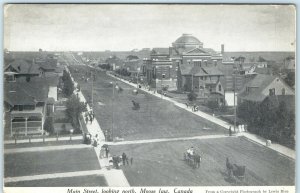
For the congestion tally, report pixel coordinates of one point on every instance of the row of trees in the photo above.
(68, 86)
(123, 72)
(104, 66)
(273, 122)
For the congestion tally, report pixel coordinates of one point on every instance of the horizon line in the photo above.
(129, 51)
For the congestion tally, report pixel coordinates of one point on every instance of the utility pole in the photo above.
(234, 102)
(161, 84)
(192, 82)
(92, 91)
(234, 93)
(112, 119)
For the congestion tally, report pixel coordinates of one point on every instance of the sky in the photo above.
(79, 27)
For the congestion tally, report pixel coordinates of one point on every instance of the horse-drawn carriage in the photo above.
(235, 172)
(192, 160)
(136, 105)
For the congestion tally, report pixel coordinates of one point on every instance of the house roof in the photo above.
(160, 51)
(25, 93)
(263, 70)
(14, 94)
(260, 82)
(212, 70)
(45, 81)
(199, 71)
(23, 67)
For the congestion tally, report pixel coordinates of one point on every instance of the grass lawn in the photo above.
(86, 181)
(33, 163)
(161, 164)
(156, 118)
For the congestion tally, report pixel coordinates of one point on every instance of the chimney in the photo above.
(222, 48)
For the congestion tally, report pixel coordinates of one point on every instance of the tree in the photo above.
(269, 120)
(212, 104)
(290, 79)
(68, 86)
(192, 96)
(240, 59)
(73, 110)
(48, 125)
(261, 59)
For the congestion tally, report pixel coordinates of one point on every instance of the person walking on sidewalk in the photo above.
(106, 151)
(124, 157)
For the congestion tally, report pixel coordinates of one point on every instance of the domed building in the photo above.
(185, 66)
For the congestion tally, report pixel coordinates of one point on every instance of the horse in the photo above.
(234, 170)
(192, 160)
(197, 160)
(229, 166)
(136, 105)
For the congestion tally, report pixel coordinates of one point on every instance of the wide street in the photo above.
(156, 118)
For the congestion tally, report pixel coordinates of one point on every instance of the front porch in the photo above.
(26, 122)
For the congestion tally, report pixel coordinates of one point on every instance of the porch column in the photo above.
(26, 129)
(42, 124)
(11, 133)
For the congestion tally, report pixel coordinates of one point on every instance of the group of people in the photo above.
(89, 116)
(124, 158)
(194, 107)
(193, 158)
(190, 152)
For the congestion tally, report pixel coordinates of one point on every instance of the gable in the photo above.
(197, 51)
(10, 68)
(278, 84)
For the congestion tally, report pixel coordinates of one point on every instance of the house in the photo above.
(20, 69)
(263, 86)
(26, 107)
(134, 66)
(114, 62)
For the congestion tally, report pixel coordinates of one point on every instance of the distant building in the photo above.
(173, 67)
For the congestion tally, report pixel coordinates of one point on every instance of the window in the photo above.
(272, 91)
(220, 87)
(215, 62)
(10, 78)
(283, 91)
(197, 63)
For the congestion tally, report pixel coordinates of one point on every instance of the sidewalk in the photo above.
(167, 139)
(276, 147)
(38, 140)
(114, 177)
(46, 148)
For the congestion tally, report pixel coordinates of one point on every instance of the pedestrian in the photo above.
(123, 158)
(96, 138)
(131, 160)
(106, 151)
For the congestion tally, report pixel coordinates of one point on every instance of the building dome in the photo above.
(187, 38)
